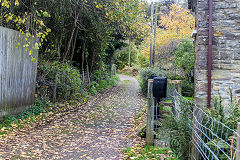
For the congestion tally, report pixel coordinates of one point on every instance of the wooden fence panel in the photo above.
(17, 73)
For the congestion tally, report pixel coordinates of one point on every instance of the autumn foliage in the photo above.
(176, 25)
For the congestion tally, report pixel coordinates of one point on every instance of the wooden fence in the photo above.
(17, 73)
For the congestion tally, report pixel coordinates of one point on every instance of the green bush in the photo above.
(145, 74)
(175, 77)
(187, 88)
(100, 74)
(184, 55)
(39, 107)
(65, 77)
(180, 134)
(123, 56)
(178, 130)
(142, 61)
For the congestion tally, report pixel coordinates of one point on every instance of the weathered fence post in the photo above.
(114, 70)
(55, 89)
(150, 114)
(238, 142)
(179, 86)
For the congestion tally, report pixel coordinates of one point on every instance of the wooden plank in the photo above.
(150, 115)
(17, 73)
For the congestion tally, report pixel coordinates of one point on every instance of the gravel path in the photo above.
(98, 130)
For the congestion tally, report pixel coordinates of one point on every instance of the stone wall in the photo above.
(226, 50)
(183, 3)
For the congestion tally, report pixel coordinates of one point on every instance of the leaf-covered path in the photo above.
(98, 130)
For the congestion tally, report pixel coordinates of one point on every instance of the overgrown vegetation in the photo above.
(62, 84)
(229, 114)
(148, 152)
(179, 132)
(59, 81)
(147, 73)
(43, 109)
(36, 112)
(177, 127)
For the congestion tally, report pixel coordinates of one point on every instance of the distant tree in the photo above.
(177, 24)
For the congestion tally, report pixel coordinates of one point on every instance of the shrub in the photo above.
(145, 74)
(99, 75)
(142, 61)
(187, 88)
(180, 134)
(184, 55)
(123, 56)
(179, 131)
(66, 78)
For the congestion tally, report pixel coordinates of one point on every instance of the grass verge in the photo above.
(148, 152)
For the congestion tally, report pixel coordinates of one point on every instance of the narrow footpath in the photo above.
(98, 130)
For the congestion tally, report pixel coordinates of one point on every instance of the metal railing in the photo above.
(211, 139)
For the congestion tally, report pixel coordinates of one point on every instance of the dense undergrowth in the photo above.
(181, 134)
(148, 152)
(140, 151)
(59, 90)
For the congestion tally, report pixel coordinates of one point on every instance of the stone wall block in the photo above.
(221, 75)
(202, 40)
(200, 75)
(236, 55)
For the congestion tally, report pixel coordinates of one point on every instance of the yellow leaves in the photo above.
(30, 53)
(41, 22)
(5, 4)
(179, 22)
(36, 46)
(3, 129)
(125, 13)
(28, 34)
(16, 3)
(34, 60)
(48, 30)
(46, 14)
(26, 45)
(17, 45)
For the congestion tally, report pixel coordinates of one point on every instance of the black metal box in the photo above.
(160, 87)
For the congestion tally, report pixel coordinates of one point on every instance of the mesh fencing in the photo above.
(211, 139)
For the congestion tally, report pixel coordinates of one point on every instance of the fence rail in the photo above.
(211, 139)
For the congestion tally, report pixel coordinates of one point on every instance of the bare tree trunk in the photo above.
(59, 46)
(69, 44)
(155, 34)
(93, 59)
(74, 45)
(83, 59)
(129, 53)
(88, 74)
(151, 37)
(71, 38)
